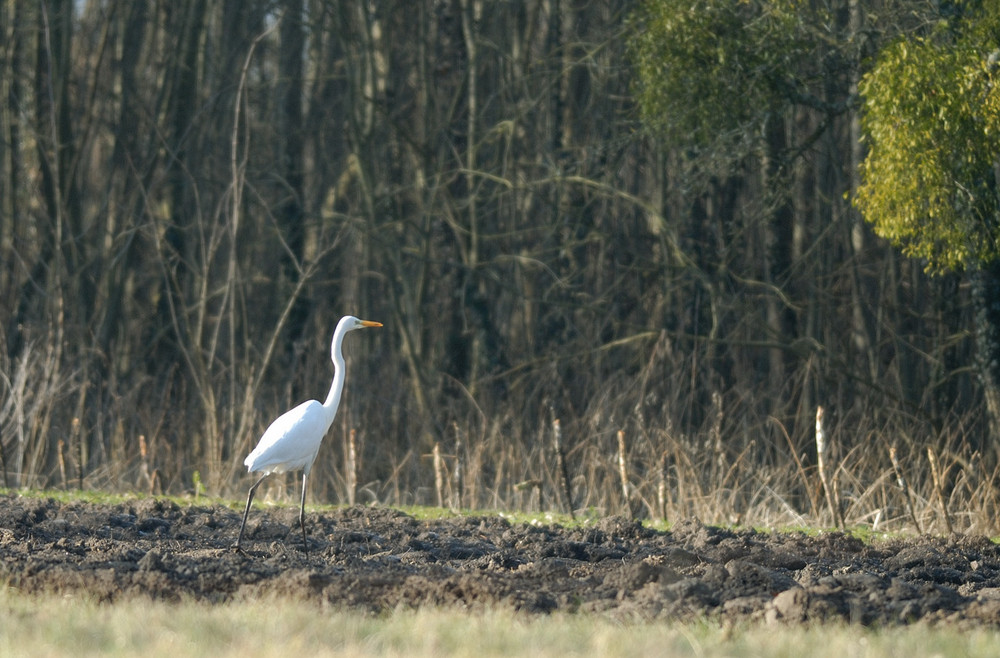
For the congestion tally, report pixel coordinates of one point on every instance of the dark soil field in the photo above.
(378, 559)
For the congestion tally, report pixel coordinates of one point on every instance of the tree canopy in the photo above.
(710, 74)
(932, 125)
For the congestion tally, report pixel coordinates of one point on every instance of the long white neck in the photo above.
(339, 373)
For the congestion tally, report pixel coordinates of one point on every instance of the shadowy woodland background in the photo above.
(194, 192)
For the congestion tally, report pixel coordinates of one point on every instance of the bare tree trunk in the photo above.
(14, 31)
(986, 291)
(183, 211)
(290, 211)
(780, 235)
(130, 157)
(860, 289)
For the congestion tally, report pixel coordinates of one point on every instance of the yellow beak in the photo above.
(369, 323)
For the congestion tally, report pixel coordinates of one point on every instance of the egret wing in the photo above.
(291, 441)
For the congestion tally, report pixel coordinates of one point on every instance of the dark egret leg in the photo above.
(246, 512)
(302, 512)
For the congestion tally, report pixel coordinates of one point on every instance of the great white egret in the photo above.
(293, 439)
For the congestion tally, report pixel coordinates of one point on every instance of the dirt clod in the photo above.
(379, 559)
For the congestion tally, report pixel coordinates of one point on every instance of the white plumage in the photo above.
(276, 454)
(292, 441)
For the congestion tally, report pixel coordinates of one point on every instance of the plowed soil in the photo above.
(379, 559)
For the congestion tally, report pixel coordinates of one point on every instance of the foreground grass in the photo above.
(64, 626)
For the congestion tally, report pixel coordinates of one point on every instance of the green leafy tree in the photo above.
(929, 181)
(710, 73)
(932, 122)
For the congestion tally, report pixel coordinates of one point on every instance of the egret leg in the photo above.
(246, 512)
(302, 512)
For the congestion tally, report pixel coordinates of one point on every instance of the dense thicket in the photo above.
(194, 192)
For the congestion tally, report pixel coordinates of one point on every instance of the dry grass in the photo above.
(623, 453)
(64, 626)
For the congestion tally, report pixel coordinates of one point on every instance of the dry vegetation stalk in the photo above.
(623, 474)
(3, 464)
(149, 474)
(62, 462)
(901, 482)
(831, 498)
(438, 474)
(534, 489)
(352, 466)
(456, 472)
(719, 464)
(938, 488)
(563, 470)
(78, 436)
(661, 487)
